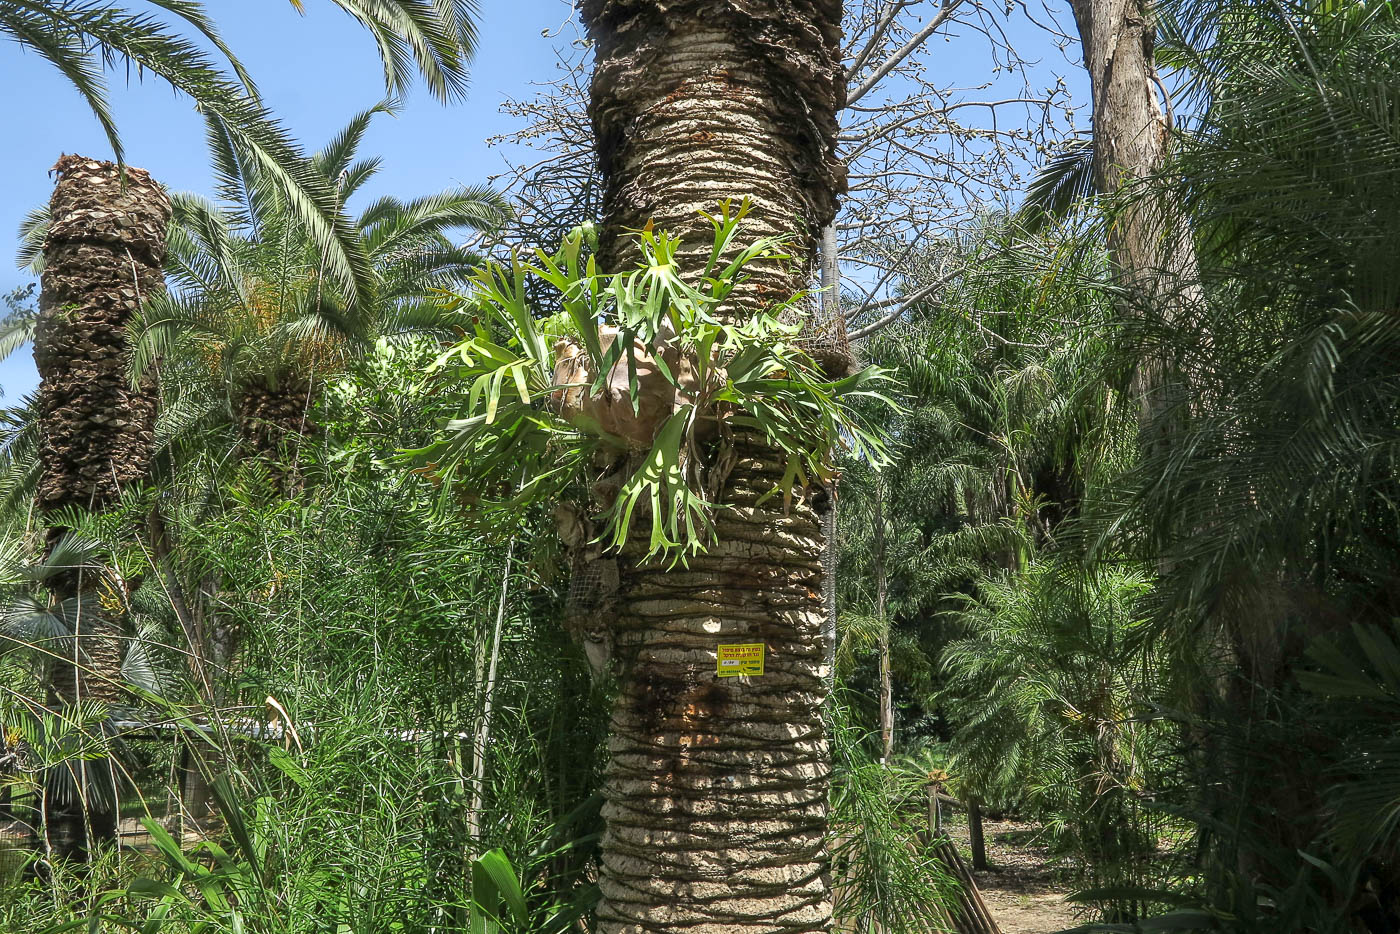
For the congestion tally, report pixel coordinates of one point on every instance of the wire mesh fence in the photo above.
(152, 777)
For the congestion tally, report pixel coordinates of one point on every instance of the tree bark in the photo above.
(716, 790)
(975, 838)
(274, 422)
(881, 613)
(1149, 243)
(102, 259)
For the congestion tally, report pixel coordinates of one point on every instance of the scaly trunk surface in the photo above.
(716, 789)
(274, 422)
(102, 259)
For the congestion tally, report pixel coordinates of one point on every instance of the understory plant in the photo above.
(636, 383)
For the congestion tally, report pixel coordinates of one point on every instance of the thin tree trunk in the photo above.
(199, 812)
(102, 259)
(199, 759)
(1149, 242)
(886, 691)
(975, 837)
(831, 300)
(881, 613)
(483, 729)
(715, 791)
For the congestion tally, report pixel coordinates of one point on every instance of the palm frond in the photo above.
(1063, 183)
(438, 36)
(333, 161)
(33, 230)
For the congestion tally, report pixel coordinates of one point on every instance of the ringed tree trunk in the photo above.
(1149, 243)
(102, 259)
(716, 789)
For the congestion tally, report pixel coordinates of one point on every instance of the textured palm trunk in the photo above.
(102, 259)
(1149, 242)
(274, 422)
(716, 789)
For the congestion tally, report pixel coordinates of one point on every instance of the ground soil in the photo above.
(1021, 888)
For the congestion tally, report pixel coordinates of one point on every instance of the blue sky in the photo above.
(315, 71)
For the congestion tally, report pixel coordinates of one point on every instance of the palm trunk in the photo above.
(716, 790)
(1157, 265)
(102, 259)
(273, 422)
(975, 837)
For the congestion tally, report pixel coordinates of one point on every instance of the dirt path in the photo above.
(1020, 888)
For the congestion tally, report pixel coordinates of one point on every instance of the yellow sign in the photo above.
(740, 660)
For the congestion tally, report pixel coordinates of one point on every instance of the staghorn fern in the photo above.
(661, 370)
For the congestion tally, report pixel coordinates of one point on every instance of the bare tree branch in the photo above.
(904, 51)
(902, 307)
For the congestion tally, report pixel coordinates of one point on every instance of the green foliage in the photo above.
(251, 313)
(359, 613)
(1007, 418)
(666, 344)
(1052, 693)
(83, 39)
(1182, 658)
(886, 876)
(17, 327)
(1270, 511)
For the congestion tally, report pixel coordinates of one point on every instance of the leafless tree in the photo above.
(926, 151)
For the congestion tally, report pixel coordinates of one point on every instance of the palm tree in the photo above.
(65, 617)
(716, 790)
(102, 260)
(81, 38)
(1044, 688)
(1275, 508)
(254, 324)
(254, 330)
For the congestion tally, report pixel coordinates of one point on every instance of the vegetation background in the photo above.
(1120, 560)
